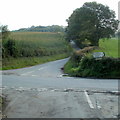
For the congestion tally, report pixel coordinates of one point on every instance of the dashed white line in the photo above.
(27, 73)
(99, 107)
(59, 76)
(41, 68)
(88, 99)
(34, 75)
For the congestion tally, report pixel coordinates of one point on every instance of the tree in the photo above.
(5, 32)
(91, 22)
(8, 45)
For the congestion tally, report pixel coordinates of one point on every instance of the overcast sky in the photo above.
(25, 13)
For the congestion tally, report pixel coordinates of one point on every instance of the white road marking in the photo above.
(41, 68)
(34, 75)
(27, 73)
(88, 99)
(99, 107)
(59, 76)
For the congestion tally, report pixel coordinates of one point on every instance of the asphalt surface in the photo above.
(41, 91)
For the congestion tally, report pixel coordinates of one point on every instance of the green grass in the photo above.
(36, 48)
(14, 63)
(68, 67)
(109, 46)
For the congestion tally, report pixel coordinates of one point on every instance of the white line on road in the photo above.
(99, 107)
(34, 75)
(59, 76)
(88, 99)
(41, 68)
(27, 73)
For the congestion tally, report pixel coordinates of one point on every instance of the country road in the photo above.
(41, 91)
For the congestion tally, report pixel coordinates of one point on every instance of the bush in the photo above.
(100, 68)
(9, 48)
(83, 66)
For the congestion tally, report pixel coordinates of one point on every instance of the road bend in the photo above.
(42, 91)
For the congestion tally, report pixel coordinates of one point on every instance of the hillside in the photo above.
(53, 28)
(30, 48)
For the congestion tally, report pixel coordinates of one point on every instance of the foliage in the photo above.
(8, 44)
(72, 65)
(91, 22)
(78, 55)
(101, 68)
(95, 68)
(82, 63)
(9, 48)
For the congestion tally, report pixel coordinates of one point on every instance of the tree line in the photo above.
(53, 28)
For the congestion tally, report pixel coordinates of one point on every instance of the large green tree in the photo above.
(91, 22)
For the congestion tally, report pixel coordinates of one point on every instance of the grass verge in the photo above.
(14, 63)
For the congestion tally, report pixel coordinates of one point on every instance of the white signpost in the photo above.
(98, 54)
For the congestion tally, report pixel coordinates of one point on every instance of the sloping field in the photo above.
(33, 48)
(40, 43)
(110, 47)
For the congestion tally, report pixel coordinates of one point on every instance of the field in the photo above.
(35, 48)
(110, 47)
(39, 44)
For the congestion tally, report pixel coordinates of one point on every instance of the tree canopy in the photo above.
(91, 22)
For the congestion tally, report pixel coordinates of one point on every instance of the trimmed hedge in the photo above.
(105, 67)
(100, 68)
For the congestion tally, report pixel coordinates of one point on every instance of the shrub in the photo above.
(9, 48)
(100, 68)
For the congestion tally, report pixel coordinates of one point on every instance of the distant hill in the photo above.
(53, 28)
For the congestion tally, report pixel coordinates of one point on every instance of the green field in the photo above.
(39, 43)
(110, 47)
(35, 48)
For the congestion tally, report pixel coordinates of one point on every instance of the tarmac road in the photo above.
(42, 92)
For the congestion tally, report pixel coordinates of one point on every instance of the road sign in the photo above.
(98, 54)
